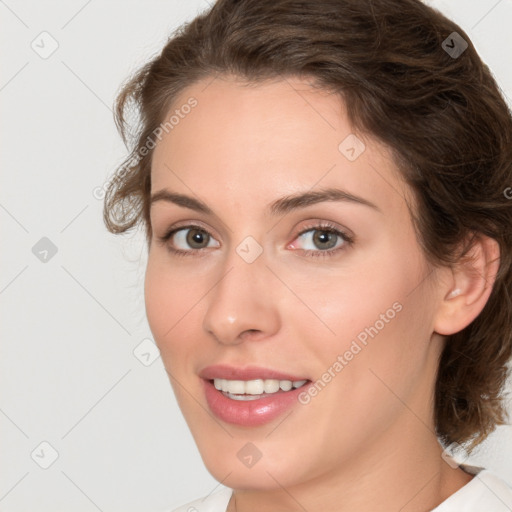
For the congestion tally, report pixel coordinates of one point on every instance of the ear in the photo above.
(468, 287)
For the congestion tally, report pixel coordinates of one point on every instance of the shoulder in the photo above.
(216, 502)
(486, 491)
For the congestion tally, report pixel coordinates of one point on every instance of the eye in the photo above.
(188, 239)
(321, 241)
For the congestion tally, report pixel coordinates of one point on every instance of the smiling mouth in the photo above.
(245, 390)
(251, 396)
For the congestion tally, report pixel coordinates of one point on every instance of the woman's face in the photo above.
(262, 182)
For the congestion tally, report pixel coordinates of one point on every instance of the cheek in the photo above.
(359, 303)
(376, 317)
(367, 283)
(172, 313)
(169, 306)
(364, 371)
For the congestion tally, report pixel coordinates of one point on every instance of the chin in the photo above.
(267, 473)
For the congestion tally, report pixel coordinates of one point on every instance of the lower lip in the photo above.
(249, 413)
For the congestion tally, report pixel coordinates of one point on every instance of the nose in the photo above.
(242, 305)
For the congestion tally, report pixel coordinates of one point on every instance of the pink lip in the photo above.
(224, 371)
(249, 413)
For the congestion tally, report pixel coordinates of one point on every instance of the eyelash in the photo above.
(325, 227)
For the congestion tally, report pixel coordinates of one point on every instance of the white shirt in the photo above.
(486, 492)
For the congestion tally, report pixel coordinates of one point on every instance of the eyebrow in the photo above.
(301, 200)
(181, 200)
(279, 207)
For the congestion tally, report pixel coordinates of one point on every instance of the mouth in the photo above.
(255, 389)
(250, 396)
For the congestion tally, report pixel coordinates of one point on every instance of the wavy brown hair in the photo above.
(442, 115)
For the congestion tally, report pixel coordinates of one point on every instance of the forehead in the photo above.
(280, 135)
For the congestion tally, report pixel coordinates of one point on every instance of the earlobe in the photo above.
(472, 281)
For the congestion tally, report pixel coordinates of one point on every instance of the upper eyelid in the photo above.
(187, 225)
(316, 226)
(347, 235)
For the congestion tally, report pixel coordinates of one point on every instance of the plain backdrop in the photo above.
(86, 422)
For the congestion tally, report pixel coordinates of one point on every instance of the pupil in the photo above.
(196, 238)
(324, 239)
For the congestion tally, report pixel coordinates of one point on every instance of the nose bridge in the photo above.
(241, 299)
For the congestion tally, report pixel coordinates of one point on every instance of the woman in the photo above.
(324, 191)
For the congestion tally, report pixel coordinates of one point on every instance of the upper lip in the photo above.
(224, 371)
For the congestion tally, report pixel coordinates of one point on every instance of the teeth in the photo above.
(255, 387)
(252, 387)
(271, 386)
(285, 385)
(236, 387)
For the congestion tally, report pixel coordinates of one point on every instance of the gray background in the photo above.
(72, 373)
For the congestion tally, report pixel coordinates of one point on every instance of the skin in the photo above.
(366, 442)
